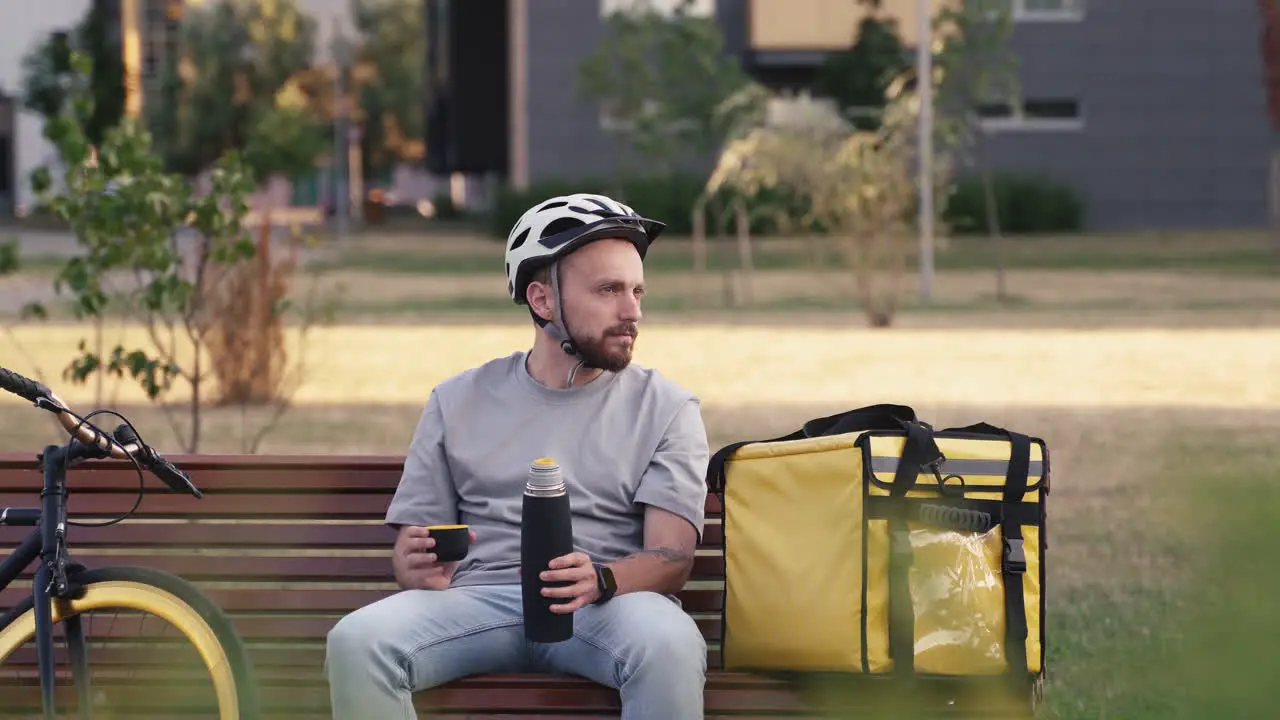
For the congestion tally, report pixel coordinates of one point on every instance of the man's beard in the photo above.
(597, 353)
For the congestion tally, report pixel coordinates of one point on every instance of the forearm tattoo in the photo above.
(667, 555)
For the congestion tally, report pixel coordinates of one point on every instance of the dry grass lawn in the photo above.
(1081, 289)
(742, 365)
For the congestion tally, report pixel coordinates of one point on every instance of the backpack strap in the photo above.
(1013, 563)
(884, 416)
(919, 453)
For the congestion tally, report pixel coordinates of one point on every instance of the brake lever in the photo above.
(159, 466)
(177, 480)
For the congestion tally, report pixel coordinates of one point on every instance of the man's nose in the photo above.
(630, 310)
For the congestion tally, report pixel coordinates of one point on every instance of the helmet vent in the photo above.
(559, 225)
(520, 239)
(552, 204)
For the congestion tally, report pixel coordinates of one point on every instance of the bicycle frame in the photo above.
(48, 544)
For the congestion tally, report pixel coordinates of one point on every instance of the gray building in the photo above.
(1154, 110)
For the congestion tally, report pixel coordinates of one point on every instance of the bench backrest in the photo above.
(285, 544)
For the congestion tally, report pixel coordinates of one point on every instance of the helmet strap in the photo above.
(557, 328)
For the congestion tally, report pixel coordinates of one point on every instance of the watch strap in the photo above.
(604, 583)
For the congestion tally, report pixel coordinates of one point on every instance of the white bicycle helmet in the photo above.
(558, 226)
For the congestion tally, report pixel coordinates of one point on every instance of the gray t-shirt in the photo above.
(623, 440)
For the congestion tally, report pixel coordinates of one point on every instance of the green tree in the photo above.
(979, 69)
(11, 264)
(163, 247)
(858, 78)
(47, 67)
(664, 82)
(860, 185)
(387, 79)
(237, 77)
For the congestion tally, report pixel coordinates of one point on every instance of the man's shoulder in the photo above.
(653, 384)
(488, 375)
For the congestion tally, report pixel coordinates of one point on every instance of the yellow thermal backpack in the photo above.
(867, 542)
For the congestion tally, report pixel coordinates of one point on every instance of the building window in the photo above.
(1043, 10)
(1047, 114)
(697, 8)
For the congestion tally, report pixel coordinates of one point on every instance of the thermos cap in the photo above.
(545, 478)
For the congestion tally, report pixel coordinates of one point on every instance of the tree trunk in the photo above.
(700, 239)
(194, 446)
(744, 247)
(993, 213)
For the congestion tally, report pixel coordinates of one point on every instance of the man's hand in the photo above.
(414, 563)
(574, 568)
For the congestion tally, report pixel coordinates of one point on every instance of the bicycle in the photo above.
(63, 590)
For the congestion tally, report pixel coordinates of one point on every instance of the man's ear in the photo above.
(539, 297)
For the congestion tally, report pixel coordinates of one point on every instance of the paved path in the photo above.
(42, 243)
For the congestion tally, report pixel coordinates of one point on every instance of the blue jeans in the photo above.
(642, 644)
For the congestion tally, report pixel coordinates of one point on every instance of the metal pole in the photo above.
(340, 211)
(924, 75)
(518, 43)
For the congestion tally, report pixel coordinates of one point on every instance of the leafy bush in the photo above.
(1025, 205)
(669, 199)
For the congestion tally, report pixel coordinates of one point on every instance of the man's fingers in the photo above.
(569, 607)
(419, 544)
(415, 531)
(573, 559)
(575, 570)
(567, 591)
(421, 560)
(578, 589)
(573, 574)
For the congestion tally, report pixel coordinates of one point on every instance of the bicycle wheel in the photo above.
(142, 669)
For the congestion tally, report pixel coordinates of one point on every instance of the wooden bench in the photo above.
(287, 545)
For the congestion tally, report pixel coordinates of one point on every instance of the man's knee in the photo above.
(362, 638)
(665, 637)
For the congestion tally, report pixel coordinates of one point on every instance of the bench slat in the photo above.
(261, 627)
(19, 463)
(549, 696)
(312, 600)
(278, 628)
(329, 600)
(369, 535)
(167, 504)
(182, 534)
(269, 660)
(89, 480)
(546, 694)
(214, 474)
(258, 505)
(296, 568)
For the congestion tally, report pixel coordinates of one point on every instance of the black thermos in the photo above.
(546, 532)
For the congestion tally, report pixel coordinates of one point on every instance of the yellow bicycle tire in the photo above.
(166, 596)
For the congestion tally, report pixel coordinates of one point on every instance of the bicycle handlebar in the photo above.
(126, 443)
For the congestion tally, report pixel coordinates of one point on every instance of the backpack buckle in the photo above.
(1015, 556)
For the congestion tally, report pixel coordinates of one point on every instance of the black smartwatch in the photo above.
(604, 583)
